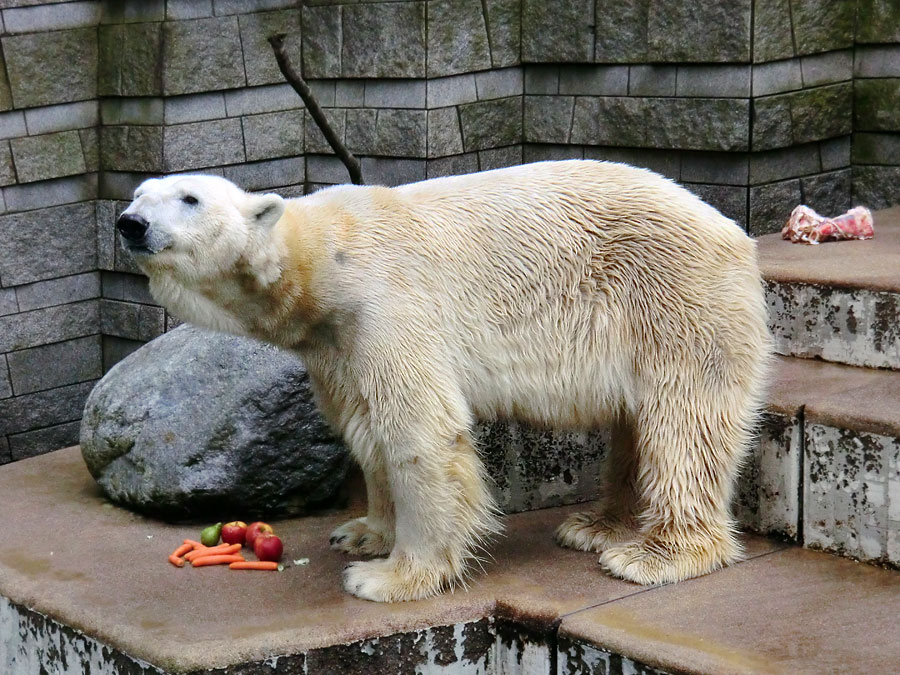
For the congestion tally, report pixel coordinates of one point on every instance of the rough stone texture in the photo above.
(699, 31)
(259, 61)
(202, 55)
(876, 186)
(877, 21)
(272, 135)
(131, 148)
(767, 496)
(560, 31)
(383, 40)
(40, 66)
(130, 60)
(594, 80)
(43, 408)
(48, 325)
(771, 205)
(504, 21)
(777, 77)
(322, 41)
(730, 200)
(203, 144)
(876, 148)
(315, 140)
(851, 498)
(196, 424)
(774, 165)
(876, 106)
(698, 124)
(857, 327)
(652, 80)
(55, 365)
(35, 247)
(400, 133)
(723, 81)
(609, 121)
(827, 193)
(575, 656)
(621, 33)
(457, 37)
(537, 468)
(548, 119)
(444, 135)
(131, 320)
(491, 124)
(822, 25)
(802, 116)
(772, 39)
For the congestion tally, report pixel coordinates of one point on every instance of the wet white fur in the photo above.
(569, 294)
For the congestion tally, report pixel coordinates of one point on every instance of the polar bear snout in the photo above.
(132, 227)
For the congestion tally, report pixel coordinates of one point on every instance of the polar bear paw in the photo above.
(653, 562)
(358, 537)
(589, 531)
(393, 580)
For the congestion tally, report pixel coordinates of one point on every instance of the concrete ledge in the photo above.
(89, 582)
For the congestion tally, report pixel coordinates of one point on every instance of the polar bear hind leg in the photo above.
(373, 534)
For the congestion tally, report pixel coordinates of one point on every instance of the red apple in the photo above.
(254, 530)
(268, 547)
(234, 532)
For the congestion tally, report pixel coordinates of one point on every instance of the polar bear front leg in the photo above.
(373, 534)
(443, 511)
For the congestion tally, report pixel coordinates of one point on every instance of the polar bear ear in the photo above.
(265, 210)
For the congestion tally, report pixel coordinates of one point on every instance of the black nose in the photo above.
(132, 227)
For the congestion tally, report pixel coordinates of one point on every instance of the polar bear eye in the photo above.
(190, 200)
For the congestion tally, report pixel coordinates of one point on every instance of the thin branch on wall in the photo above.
(315, 110)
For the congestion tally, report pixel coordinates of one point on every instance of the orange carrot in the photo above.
(175, 560)
(227, 549)
(194, 544)
(254, 565)
(181, 550)
(217, 560)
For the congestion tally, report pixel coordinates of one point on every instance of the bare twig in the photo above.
(315, 110)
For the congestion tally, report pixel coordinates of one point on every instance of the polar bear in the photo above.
(569, 294)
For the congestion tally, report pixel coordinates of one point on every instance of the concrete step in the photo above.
(838, 301)
(85, 587)
(826, 469)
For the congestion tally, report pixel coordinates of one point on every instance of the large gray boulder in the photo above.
(201, 425)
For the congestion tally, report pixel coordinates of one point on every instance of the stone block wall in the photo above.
(756, 105)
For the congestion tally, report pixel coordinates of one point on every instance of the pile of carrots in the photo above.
(224, 554)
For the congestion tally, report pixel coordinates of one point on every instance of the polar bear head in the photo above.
(196, 229)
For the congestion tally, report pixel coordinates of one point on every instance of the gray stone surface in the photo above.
(57, 291)
(777, 77)
(315, 139)
(766, 499)
(39, 441)
(272, 173)
(272, 135)
(360, 131)
(856, 327)
(44, 408)
(771, 205)
(385, 39)
(51, 17)
(610, 121)
(197, 424)
(664, 162)
(132, 148)
(835, 153)
(131, 287)
(850, 497)
(551, 153)
(490, 124)
(271, 98)
(48, 325)
(876, 148)
(452, 90)
(115, 349)
(12, 124)
(36, 246)
(715, 167)
(559, 31)
(541, 79)
(5, 454)
(140, 110)
(40, 66)
(457, 37)
(730, 200)
(454, 165)
(878, 187)
(133, 12)
(395, 94)
(58, 191)
(767, 167)
(131, 60)
(202, 55)
(55, 365)
(878, 21)
(877, 60)
(504, 21)
(771, 123)
(698, 124)
(48, 156)
(259, 60)
(202, 144)
(548, 119)
(803, 116)
(499, 158)
(594, 80)
(327, 169)
(713, 81)
(651, 80)
(5, 387)
(349, 93)
(188, 9)
(621, 31)
(390, 172)
(90, 146)
(827, 68)
(48, 119)
(7, 169)
(8, 304)
(575, 656)
(699, 31)
(822, 26)
(827, 193)
(322, 43)
(499, 83)
(131, 320)
(876, 106)
(772, 38)
(194, 108)
(401, 133)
